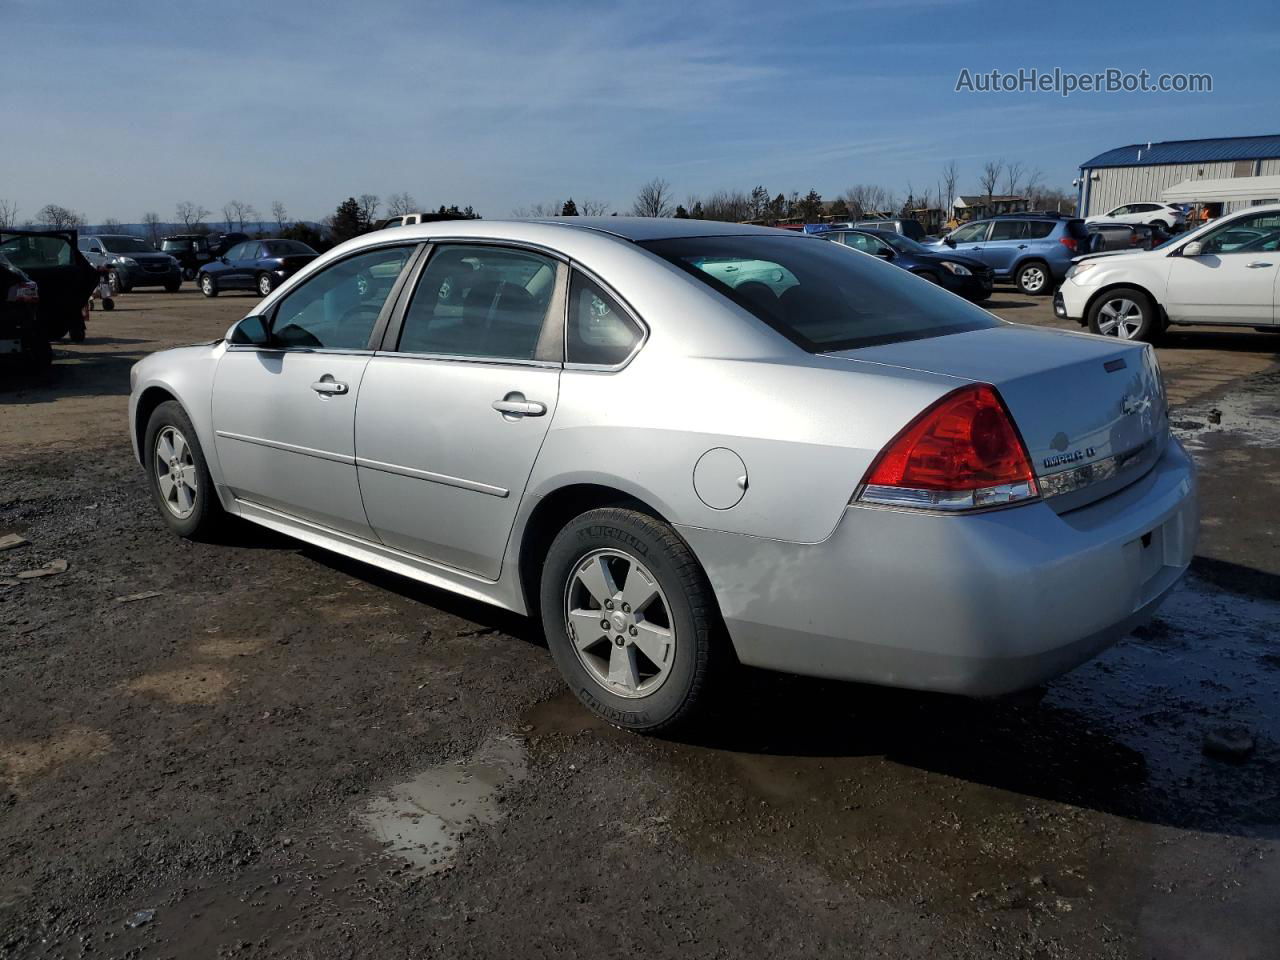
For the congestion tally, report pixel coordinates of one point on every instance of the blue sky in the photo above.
(137, 106)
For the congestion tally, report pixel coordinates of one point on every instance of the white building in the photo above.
(1146, 171)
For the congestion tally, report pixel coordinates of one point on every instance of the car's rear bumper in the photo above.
(980, 605)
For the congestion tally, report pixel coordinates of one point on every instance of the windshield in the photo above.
(125, 245)
(900, 243)
(285, 248)
(819, 295)
(168, 245)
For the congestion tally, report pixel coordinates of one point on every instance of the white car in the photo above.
(1162, 215)
(1223, 273)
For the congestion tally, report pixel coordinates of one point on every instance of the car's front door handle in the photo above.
(514, 404)
(1022, 246)
(1257, 264)
(326, 387)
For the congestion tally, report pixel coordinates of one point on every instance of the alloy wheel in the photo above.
(1033, 279)
(175, 470)
(620, 623)
(264, 284)
(1121, 318)
(206, 284)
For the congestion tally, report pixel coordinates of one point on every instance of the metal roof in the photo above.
(1188, 151)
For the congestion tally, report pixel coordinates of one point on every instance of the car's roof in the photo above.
(639, 229)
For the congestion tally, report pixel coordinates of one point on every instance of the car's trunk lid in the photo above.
(1091, 410)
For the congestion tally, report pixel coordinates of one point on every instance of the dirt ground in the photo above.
(258, 749)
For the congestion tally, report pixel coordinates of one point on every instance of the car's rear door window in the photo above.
(818, 295)
(1008, 230)
(481, 301)
(1038, 229)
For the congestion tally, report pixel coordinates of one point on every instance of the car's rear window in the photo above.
(34, 253)
(286, 248)
(822, 296)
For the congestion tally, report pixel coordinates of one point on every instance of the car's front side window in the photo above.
(1250, 234)
(336, 309)
(482, 302)
(970, 233)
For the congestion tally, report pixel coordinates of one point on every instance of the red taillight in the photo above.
(25, 293)
(962, 452)
(1068, 241)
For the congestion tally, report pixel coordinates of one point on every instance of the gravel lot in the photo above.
(258, 749)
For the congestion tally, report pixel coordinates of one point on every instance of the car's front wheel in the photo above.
(116, 282)
(208, 286)
(630, 619)
(178, 474)
(1034, 279)
(1126, 313)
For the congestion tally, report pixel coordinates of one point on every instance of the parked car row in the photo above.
(970, 278)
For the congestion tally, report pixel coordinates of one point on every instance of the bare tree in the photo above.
(1032, 182)
(947, 190)
(280, 213)
(112, 225)
(731, 206)
(400, 203)
(593, 208)
(369, 203)
(151, 223)
(8, 213)
(59, 218)
(237, 213)
(991, 171)
(1013, 176)
(538, 210)
(190, 214)
(653, 200)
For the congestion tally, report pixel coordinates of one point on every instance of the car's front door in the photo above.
(969, 238)
(1233, 280)
(452, 414)
(284, 411)
(1005, 245)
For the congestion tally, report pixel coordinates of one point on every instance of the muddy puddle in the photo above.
(1251, 413)
(423, 820)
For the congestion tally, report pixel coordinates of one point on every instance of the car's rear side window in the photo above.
(822, 296)
(600, 332)
(1039, 229)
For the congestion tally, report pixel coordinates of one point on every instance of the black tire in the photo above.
(699, 644)
(173, 287)
(108, 303)
(207, 518)
(1106, 309)
(208, 285)
(117, 283)
(188, 274)
(266, 283)
(1034, 278)
(75, 330)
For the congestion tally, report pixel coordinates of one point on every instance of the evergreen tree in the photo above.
(840, 209)
(696, 213)
(778, 209)
(759, 203)
(681, 212)
(347, 221)
(810, 206)
(570, 209)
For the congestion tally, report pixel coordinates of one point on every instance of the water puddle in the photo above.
(1251, 412)
(424, 820)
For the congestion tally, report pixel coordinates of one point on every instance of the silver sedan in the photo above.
(682, 444)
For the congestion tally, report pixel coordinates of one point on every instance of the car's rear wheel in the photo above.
(1034, 279)
(117, 282)
(208, 286)
(179, 474)
(630, 619)
(266, 283)
(1125, 313)
(188, 274)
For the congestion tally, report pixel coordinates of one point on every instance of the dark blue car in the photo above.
(965, 276)
(259, 265)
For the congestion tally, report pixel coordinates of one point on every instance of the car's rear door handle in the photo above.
(514, 404)
(1256, 264)
(328, 386)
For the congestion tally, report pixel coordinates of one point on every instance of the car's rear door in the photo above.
(453, 411)
(284, 412)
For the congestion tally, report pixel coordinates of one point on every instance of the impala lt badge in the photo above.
(1072, 456)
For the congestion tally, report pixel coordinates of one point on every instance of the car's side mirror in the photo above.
(885, 253)
(949, 242)
(252, 331)
(1193, 249)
